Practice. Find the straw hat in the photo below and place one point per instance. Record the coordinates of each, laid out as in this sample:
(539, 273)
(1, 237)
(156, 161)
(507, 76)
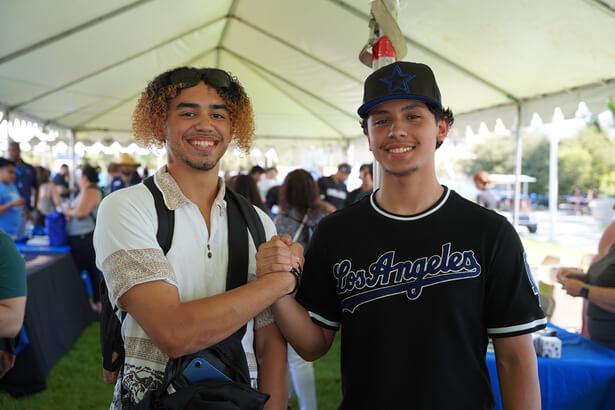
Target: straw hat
(127, 159)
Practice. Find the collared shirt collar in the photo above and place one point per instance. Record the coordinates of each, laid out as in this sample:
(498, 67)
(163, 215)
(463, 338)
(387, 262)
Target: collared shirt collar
(174, 197)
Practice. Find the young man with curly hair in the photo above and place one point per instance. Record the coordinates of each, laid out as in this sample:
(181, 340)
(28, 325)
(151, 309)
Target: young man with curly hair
(415, 277)
(177, 304)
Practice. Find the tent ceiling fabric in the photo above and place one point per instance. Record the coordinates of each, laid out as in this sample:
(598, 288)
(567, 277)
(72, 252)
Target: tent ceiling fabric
(82, 65)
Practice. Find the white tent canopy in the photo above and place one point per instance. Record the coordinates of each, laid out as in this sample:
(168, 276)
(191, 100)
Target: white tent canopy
(81, 64)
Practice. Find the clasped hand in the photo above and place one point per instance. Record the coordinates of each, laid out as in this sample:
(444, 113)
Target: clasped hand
(279, 254)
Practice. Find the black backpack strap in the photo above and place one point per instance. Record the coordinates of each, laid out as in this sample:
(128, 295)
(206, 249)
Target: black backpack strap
(237, 273)
(166, 217)
(250, 216)
(241, 215)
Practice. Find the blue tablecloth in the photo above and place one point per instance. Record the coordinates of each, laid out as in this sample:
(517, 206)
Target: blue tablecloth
(57, 311)
(26, 249)
(584, 378)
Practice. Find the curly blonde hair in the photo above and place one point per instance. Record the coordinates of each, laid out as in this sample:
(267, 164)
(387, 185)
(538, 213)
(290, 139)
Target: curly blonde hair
(150, 114)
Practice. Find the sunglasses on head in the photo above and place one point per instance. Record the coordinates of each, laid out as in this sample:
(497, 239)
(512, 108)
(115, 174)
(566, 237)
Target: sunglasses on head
(189, 77)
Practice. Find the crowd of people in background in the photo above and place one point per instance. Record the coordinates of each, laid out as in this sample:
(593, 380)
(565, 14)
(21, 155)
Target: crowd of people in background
(28, 193)
(262, 187)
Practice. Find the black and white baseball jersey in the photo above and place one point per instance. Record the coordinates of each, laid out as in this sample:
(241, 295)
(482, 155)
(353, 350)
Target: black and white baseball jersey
(416, 298)
(332, 192)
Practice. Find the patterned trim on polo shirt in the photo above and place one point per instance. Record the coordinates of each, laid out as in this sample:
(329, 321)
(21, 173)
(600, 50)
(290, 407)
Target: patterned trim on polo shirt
(173, 196)
(127, 268)
(144, 349)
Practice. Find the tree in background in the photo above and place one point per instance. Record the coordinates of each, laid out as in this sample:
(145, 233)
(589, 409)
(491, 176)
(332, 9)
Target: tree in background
(574, 168)
(536, 162)
(586, 161)
(600, 153)
(495, 156)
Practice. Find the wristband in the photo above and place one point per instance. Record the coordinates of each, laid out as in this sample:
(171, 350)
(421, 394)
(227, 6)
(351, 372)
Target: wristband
(584, 292)
(297, 274)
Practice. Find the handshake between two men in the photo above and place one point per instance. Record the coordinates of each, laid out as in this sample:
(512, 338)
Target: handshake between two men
(282, 256)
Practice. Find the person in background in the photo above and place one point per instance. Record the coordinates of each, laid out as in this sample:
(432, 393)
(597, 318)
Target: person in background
(113, 172)
(485, 197)
(12, 299)
(128, 175)
(597, 287)
(270, 180)
(48, 196)
(367, 183)
(256, 172)
(26, 182)
(62, 181)
(301, 210)
(272, 201)
(333, 188)
(246, 186)
(81, 213)
(11, 203)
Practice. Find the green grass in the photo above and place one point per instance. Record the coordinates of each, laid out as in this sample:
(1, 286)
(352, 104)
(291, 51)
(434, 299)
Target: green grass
(75, 382)
(328, 380)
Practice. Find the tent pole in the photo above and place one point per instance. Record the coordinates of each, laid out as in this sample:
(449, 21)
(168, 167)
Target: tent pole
(518, 157)
(71, 174)
(553, 179)
(379, 61)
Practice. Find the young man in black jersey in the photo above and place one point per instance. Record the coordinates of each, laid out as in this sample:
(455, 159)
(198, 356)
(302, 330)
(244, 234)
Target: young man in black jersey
(416, 276)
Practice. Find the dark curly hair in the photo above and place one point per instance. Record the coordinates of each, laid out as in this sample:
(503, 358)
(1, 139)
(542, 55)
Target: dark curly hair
(150, 114)
(299, 191)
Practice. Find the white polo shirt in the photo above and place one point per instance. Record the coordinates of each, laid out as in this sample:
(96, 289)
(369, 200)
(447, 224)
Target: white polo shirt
(128, 254)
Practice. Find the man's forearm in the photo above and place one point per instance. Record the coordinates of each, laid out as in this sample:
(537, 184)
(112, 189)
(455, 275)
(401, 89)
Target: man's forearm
(518, 375)
(180, 328)
(307, 338)
(270, 349)
(603, 297)
(225, 313)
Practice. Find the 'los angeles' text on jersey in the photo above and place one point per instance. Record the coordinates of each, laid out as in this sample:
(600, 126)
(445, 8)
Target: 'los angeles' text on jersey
(388, 277)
